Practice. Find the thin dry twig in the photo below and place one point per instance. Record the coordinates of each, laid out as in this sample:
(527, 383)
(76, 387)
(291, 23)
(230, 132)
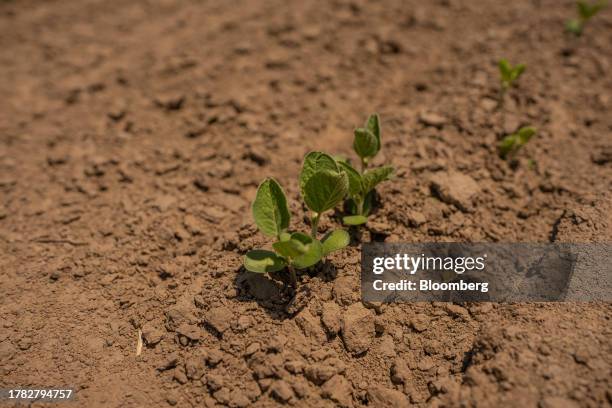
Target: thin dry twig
(58, 241)
(139, 343)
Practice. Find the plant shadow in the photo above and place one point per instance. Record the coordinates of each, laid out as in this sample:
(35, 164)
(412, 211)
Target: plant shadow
(273, 293)
(362, 233)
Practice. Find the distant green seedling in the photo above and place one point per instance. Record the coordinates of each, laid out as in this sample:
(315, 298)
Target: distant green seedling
(362, 183)
(323, 186)
(586, 11)
(509, 74)
(511, 144)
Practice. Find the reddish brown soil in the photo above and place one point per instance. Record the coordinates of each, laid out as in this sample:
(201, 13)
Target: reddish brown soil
(133, 136)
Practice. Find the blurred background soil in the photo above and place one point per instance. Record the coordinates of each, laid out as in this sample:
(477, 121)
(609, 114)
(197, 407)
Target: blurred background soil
(133, 136)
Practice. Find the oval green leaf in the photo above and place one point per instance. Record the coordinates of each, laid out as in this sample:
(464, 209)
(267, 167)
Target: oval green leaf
(507, 145)
(505, 70)
(313, 255)
(574, 26)
(365, 143)
(517, 71)
(302, 238)
(354, 220)
(270, 208)
(354, 179)
(335, 240)
(525, 134)
(262, 261)
(325, 189)
(373, 125)
(290, 249)
(314, 162)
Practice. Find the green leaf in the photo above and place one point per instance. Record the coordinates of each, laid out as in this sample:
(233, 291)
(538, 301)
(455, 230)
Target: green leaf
(525, 134)
(262, 261)
(373, 125)
(507, 145)
(510, 74)
(354, 220)
(504, 69)
(517, 71)
(354, 179)
(289, 249)
(372, 177)
(574, 26)
(340, 158)
(515, 141)
(314, 162)
(335, 240)
(313, 251)
(270, 208)
(584, 10)
(365, 143)
(325, 189)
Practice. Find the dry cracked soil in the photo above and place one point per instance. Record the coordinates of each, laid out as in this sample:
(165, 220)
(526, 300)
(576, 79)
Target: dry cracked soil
(133, 136)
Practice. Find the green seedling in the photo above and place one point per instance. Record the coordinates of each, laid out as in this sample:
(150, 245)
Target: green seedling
(510, 145)
(362, 184)
(586, 11)
(509, 74)
(323, 185)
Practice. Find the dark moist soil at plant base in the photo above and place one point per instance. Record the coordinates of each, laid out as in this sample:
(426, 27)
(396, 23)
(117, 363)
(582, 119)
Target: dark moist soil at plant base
(133, 136)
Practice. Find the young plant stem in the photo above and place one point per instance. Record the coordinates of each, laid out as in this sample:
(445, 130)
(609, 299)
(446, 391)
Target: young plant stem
(292, 276)
(502, 96)
(314, 221)
(360, 207)
(364, 164)
(359, 204)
